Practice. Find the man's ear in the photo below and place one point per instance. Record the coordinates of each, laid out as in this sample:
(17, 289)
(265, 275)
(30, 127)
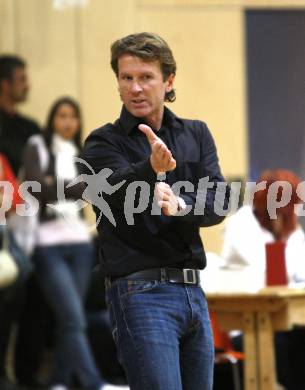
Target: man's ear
(120, 93)
(170, 82)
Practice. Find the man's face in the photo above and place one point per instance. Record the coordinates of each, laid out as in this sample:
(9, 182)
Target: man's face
(141, 86)
(18, 86)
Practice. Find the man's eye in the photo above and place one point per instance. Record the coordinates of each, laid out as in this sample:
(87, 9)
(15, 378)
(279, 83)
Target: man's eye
(147, 77)
(125, 77)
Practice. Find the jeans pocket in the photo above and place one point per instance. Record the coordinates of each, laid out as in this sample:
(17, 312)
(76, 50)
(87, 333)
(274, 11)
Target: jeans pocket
(130, 287)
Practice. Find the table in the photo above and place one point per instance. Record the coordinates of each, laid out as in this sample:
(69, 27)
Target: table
(258, 315)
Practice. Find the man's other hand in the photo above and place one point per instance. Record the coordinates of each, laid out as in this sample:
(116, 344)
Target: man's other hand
(166, 199)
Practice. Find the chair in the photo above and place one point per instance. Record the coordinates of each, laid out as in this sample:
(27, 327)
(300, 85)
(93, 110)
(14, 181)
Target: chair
(225, 353)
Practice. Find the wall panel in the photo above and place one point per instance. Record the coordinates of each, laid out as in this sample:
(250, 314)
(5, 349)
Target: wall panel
(217, 4)
(46, 39)
(101, 24)
(7, 26)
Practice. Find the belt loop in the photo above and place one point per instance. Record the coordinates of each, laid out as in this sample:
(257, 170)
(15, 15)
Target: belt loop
(163, 275)
(107, 282)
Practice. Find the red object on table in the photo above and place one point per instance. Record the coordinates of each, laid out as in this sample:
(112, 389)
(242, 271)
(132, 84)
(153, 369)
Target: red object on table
(276, 272)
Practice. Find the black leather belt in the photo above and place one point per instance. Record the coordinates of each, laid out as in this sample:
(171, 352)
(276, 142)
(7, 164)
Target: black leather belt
(171, 275)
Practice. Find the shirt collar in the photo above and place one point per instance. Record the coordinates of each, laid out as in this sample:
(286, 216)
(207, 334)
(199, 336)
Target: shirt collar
(130, 122)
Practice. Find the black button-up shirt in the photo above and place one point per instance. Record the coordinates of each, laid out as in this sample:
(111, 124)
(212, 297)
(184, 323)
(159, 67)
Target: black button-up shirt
(152, 241)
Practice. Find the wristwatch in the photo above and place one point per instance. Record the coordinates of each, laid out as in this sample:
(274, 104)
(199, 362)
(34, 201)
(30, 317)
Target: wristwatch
(181, 204)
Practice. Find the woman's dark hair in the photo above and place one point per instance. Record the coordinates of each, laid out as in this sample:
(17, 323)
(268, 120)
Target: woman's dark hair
(49, 130)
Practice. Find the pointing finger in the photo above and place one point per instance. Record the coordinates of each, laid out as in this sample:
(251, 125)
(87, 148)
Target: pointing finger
(151, 136)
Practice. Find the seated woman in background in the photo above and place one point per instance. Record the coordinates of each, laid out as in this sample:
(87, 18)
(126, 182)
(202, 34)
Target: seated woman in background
(248, 231)
(63, 255)
(246, 234)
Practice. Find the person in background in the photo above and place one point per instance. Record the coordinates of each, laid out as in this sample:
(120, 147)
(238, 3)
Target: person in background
(15, 130)
(246, 234)
(7, 175)
(248, 231)
(99, 330)
(63, 255)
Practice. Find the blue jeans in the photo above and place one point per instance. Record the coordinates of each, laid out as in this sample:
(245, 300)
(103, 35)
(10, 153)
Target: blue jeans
(63, 272)
(163, 334)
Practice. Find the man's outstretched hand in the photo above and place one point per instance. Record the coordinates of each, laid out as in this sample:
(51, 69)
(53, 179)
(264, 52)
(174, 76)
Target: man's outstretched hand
(161, 158)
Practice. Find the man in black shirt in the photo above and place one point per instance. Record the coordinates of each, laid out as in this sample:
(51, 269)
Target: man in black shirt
(151, 250)
(15, 129)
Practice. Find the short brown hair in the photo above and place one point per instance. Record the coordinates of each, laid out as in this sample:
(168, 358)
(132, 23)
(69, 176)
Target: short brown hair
(149, 47)
(8, 64)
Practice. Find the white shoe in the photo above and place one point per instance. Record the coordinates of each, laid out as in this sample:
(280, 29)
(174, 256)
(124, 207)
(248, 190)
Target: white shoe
(58, 387)
(114, 387)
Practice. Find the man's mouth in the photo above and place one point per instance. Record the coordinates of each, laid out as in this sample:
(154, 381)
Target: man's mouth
(137, 101)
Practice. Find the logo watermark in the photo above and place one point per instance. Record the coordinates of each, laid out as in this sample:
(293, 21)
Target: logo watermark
(110, 195)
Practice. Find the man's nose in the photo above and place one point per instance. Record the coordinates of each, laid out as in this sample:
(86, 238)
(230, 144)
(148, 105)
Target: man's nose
(136, 87)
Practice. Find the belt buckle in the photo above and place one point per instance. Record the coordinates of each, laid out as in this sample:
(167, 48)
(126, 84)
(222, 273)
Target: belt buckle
(189, 272)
